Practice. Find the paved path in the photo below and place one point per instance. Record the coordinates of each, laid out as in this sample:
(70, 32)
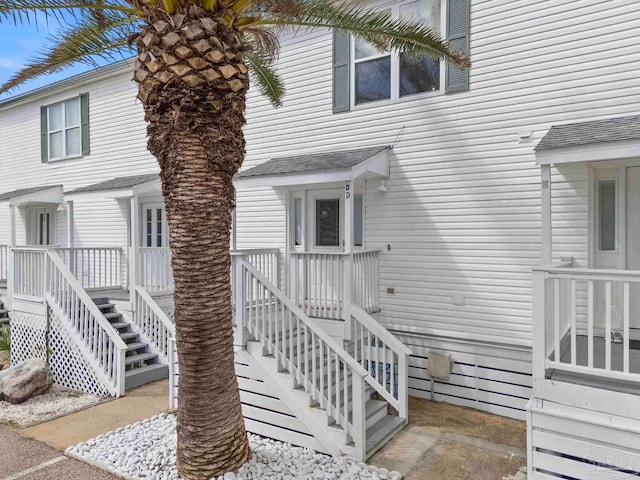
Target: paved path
(136, 405)
(26, 459)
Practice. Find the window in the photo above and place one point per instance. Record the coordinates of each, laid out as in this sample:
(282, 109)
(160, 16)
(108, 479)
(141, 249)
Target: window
(390, 75)
(607, 215)
(297, 222)
(358, 215)
(64, 129)
(328, 222)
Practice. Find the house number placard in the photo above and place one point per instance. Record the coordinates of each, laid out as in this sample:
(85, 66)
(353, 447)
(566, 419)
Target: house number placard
(347, 191)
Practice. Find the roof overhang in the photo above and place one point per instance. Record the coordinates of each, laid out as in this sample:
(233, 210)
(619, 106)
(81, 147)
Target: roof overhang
(44, 196)
(621, 150)
(118, 192)
(376, 166)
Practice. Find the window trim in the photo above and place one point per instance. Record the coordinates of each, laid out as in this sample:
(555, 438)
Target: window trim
(616, 194)
(395, 65)
(64, 129)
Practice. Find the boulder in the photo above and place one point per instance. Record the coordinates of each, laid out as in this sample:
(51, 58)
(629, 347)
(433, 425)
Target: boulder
(25, 380)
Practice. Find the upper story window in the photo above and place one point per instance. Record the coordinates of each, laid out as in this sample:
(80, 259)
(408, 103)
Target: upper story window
(362, 74)
(65, 129)
(390, 75)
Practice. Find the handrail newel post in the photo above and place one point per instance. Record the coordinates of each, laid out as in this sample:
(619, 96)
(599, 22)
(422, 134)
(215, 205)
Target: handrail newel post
(346, 306)
(359, 421)
(240, 307)
(403, 385)
(539, 323)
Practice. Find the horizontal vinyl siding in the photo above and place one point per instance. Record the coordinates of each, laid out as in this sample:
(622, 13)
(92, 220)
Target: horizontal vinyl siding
(463, 211)
(118, 148)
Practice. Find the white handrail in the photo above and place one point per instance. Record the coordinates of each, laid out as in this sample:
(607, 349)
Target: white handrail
(95, 267)
(153, 323)
(386, 359)
(100, 337)
(4, 250)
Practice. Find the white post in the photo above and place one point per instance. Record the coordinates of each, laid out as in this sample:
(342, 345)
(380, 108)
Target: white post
(545, 195)
(70, 225)
(134, 243)
(234, 240)
(403, 385)
(359, 421)
(240, 337)
(11, 256)
(539, 324)
(349, 209)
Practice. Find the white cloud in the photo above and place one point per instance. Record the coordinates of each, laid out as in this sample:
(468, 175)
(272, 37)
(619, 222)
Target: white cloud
(10, 63)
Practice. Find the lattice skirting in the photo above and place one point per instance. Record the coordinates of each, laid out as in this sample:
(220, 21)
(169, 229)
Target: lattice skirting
(67, 364)
(28, 337)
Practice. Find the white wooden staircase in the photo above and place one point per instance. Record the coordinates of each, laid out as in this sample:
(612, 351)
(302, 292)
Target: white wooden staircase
(352, 400)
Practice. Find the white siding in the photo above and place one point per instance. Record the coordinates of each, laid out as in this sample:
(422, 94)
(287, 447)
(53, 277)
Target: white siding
(463, 215)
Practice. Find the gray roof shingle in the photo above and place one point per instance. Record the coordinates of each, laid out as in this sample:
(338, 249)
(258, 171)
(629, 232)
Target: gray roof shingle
(25, 191)
(312, 162)
(588, 133)
(118, 183)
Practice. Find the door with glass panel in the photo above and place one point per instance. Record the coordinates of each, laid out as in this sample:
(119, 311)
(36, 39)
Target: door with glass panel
(42, 227)
(155, 257)
(633, 241)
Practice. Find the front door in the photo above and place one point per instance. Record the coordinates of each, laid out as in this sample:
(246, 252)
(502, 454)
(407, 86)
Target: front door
(42, 226)
(154, 225)
(633, 240)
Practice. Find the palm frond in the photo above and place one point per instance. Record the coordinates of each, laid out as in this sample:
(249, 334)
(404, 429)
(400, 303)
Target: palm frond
(81, 43)
(266, 77)
(377, 27)
(26, 11)
(264, 40)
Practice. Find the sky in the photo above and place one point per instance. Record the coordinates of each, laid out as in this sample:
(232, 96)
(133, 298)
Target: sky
(18, 43)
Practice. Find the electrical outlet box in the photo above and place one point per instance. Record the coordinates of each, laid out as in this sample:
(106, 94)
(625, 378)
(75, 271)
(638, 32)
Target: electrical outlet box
(391, 291)
(458, 299)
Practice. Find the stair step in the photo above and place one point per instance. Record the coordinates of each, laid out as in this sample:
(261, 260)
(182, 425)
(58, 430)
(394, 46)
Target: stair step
(149, 373)
(112, 316)
(382, 431)
(100, 300)
(119, 325)
(128, 336)
(105, 306)
(142, 357)
(136, 346)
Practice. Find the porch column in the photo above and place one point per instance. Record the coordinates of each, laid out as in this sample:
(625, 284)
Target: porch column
(234, 224)
(10, 259)
(545, 195)
(134, 243)
(349, 204)
(70, 225)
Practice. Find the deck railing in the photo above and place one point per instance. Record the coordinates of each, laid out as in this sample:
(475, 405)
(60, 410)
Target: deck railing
(586, 321)
(153, 323)
(4, 262)
(155, 272)
(96, 267)
(333, 379)
(28, 271)
(319, 282)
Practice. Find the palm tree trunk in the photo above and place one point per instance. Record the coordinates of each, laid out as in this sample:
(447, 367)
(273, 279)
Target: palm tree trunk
(193, 83)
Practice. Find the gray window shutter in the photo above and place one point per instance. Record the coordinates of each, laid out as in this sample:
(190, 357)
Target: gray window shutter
(44, 135)
(458, 13)
(341, 71)
(84, 122)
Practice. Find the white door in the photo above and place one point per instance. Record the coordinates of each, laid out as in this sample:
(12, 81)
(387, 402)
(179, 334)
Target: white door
(325, 225)
(155, 258)
(633, 239)
(154, 225)
(42, 230)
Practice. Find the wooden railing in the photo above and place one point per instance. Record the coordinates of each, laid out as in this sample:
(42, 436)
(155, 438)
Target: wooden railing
(266, 260)
(4, 262)
(385, 358)
(101, 345)
(153, 323)
(155, 272)
(323, 283)
(583, 321)
(96, 267)
(333, 379)
(28, 271)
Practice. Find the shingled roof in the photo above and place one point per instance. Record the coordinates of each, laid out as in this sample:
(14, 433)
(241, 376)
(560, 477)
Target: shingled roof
(313, 162)
(118, 183)
(25, 191)
(588, 133)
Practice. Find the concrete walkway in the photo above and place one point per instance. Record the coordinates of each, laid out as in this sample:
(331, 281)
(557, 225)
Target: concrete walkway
(445, 442)
(136, 405)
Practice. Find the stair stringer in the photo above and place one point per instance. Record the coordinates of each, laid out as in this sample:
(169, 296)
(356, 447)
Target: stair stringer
(298, 402)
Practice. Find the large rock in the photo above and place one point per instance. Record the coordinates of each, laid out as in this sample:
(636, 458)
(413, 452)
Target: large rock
(25, 380)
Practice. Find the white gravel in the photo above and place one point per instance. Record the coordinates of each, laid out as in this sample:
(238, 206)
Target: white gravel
(148, 450)
(521, 474)
(56, 402)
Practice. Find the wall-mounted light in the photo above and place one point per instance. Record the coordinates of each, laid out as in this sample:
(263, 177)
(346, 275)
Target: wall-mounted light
(383, 187)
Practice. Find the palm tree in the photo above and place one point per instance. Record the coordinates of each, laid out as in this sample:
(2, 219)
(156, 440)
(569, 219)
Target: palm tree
(194, 58)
